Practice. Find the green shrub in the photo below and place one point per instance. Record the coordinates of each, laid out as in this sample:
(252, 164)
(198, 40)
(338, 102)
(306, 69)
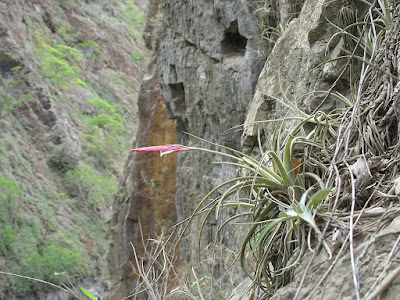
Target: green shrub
(32, 251)
(92, 50)
(58, 63)
(7, 100)
(9, 203)
(8, 188)
(16, 69)
(106, 117)
(80, 82)
(58, 70)
(64, 30)
(55, 260)
(61, 51)
(7, 238)
(114, 78)
(107, 135)
(136, 57)
(96, 188)
(63, 160)
(18, 247)
(132, 16)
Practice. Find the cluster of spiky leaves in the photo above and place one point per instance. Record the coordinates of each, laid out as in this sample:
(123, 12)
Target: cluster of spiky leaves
(278, 196)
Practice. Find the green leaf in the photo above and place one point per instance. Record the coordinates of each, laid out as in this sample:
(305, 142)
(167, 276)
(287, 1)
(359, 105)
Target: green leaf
(306, 215)
(274, 223)
(304, 197)
(288, 150)
(294, 257)
(261, 169)
(87, 293)
(287, 180)
(318, 197)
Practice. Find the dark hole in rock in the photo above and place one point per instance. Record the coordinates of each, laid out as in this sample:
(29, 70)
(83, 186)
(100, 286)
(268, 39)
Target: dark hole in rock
(178, 99)
(6, 64)
(3, 32)
(49, 22)
(233, 42)
(45, 102)
(177, 92)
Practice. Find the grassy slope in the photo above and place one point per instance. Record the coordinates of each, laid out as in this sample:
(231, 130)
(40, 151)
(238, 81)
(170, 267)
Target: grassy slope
(68, 84)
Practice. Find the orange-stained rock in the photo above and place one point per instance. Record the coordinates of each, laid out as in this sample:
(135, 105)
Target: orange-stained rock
(154, 195)
(147, 193)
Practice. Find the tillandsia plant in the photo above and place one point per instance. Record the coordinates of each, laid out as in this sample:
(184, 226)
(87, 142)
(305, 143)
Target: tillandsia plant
(280, 192)
(368, 33)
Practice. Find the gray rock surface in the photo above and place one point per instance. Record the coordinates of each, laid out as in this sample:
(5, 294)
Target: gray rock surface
(372, 254)
(209, 65)
(294, 72)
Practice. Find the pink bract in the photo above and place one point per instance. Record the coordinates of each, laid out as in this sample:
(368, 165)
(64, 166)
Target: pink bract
(163, 149)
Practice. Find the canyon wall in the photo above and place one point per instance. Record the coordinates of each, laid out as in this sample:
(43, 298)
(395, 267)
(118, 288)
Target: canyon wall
(202, 78)
(145, 202)
(210, 57)
(69, 77)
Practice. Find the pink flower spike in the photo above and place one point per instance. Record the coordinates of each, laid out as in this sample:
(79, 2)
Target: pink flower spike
(163, 149)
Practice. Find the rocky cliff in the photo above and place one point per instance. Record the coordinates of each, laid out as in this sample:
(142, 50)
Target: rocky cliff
(145, 204)
(206, 70)
(210, 57)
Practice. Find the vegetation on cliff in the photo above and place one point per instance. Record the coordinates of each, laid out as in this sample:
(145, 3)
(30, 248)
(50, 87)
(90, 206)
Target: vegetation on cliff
(69, 75)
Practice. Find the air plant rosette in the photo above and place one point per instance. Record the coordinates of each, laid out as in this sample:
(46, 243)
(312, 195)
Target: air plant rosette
(281, 198)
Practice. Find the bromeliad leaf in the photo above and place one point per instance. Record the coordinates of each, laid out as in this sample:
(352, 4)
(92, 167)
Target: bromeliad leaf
(306, 215)
(285, 216)
(318, 197)
(87, 293)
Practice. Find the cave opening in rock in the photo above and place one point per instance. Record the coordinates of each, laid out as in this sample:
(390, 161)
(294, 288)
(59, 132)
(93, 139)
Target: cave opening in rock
(233, 42)
(178, 99)
(7, 63)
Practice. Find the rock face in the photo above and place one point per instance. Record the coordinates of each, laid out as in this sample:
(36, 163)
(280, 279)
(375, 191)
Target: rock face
(293, 73)
(209, 65)
(145, 204)
(208, 72)
(212, 77)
